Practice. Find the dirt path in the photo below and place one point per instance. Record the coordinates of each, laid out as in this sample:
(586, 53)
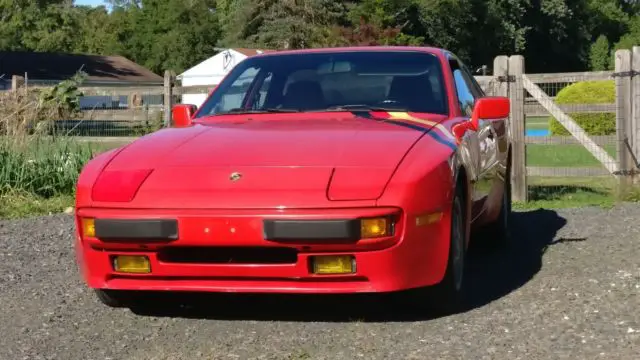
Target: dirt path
(568, 290)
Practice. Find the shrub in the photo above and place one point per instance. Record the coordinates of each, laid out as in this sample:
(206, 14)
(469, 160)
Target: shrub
(587, 92)
(30, 110)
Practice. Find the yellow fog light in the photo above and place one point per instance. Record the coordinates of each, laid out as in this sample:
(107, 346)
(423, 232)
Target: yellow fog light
(132, 264)
(88, 227)
(333, 264)
(374, 227)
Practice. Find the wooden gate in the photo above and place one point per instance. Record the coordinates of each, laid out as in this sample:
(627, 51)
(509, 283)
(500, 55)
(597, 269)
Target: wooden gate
(534, 100)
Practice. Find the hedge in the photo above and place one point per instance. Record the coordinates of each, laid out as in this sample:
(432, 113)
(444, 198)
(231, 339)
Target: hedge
(587, 92)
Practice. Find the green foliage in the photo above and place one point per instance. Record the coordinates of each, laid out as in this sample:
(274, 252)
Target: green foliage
(177, 34)
(34, 110)
(65, 96)
(587, 92)
(599, 54)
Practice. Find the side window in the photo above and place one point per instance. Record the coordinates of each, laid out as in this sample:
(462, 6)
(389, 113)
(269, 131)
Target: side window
(473, 83)
(466, 98)
(235, 95)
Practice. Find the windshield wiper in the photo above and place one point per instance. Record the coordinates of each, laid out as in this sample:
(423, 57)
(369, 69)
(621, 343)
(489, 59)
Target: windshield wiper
(362, 107)
(257, 111)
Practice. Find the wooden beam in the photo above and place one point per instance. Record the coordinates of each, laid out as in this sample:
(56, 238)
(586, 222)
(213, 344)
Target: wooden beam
(517, 129)
(199, 89)
(623, 115)
(169, 78)
(634, 132)
(566, 171)
(570, 77)
(120, 115)
(601, 140)
(569, 124)
(539, 110)
(120, 91)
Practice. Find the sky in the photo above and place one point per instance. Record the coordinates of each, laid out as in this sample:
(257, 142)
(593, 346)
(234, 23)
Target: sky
(89, 2)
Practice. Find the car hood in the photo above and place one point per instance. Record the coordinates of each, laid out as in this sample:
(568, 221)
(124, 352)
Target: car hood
(288, 160)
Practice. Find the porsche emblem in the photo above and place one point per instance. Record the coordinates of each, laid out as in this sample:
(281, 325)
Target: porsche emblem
(235, 176)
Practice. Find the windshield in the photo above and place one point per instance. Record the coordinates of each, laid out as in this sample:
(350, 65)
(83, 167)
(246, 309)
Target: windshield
(336, 81)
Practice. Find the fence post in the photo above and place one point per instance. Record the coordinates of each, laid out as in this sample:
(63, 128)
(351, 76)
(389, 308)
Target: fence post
(517, 130)
(168, 97)
(16, 82)
(635, 101)
(623, 116)
(501, 70)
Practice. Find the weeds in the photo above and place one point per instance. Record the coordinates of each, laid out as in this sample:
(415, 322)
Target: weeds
(38, 169)
(33, 111)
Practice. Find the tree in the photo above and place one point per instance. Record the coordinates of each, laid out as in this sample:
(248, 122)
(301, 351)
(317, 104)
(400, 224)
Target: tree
(599, 54)
(284, 23)
(172, 34)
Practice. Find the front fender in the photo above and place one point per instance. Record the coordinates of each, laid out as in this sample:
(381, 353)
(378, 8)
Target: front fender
(90, 173)
(426, 179)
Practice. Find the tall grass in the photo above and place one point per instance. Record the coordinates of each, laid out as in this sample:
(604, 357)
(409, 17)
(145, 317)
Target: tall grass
(38, 170)
(42, 166)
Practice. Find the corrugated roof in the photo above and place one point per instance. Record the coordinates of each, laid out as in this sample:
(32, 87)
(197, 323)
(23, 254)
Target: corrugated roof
(60, 66)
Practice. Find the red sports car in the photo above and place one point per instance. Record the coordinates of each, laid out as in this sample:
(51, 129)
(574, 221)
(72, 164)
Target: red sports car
(344, 170)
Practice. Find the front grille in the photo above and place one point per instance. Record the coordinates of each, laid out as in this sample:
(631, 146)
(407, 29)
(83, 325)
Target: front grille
(228, 255)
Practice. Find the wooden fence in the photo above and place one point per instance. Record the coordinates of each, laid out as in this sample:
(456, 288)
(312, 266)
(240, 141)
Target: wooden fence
(532, 96)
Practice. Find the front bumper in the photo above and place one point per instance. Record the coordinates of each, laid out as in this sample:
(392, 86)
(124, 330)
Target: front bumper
(228, 251)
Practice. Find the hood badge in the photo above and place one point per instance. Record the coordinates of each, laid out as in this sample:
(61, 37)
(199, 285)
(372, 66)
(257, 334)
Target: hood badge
(235, 176)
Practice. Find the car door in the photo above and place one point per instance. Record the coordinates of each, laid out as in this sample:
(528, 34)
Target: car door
(482, 143)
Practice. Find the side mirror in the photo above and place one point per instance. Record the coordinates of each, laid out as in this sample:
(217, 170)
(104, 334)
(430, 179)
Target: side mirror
(182, 114)
(490, 108)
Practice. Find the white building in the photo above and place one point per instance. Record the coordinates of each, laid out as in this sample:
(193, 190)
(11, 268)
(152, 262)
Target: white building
(212, 71)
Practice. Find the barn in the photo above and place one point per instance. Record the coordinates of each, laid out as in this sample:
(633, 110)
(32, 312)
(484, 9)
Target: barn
(45, 68)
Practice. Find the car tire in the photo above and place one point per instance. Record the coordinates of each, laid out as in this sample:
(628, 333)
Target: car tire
(448, 296)
(116, 298)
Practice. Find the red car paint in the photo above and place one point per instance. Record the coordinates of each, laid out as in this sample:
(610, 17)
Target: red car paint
(309, 165)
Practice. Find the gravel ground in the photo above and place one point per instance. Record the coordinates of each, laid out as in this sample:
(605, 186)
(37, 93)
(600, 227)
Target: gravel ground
(568, 289)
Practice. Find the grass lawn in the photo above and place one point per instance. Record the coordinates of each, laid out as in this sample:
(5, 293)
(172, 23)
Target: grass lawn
(17, 205)
(536, 123)
(564, 155)
(558, 192)
(563, 192)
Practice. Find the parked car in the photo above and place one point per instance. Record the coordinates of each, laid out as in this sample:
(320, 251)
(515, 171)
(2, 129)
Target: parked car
(344, 170)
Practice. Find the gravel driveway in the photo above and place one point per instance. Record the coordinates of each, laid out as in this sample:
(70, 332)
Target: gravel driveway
(569, 289)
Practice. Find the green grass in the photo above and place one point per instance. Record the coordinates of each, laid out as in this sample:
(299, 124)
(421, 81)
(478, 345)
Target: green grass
(563, 192)
(38, 175)
(45, 167)
(569, 155)
(536, 123)
(21, 204)
(559, 192)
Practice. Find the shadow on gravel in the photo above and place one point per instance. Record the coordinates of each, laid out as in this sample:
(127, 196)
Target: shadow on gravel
(492, 274)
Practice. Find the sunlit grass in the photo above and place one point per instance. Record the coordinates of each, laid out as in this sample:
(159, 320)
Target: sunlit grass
(38, 175)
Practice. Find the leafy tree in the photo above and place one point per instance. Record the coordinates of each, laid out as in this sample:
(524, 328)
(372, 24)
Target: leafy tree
(599, 54)
(283, 23)
(171, 34)
(553, 35)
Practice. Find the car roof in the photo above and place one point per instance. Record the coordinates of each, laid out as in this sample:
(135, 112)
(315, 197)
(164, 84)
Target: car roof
(425, 49)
